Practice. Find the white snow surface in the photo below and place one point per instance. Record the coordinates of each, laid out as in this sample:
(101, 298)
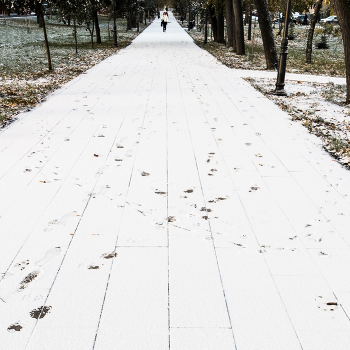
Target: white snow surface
(159, 201)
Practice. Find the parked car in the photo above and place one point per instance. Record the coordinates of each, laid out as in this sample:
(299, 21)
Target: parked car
(302, 20)
(330, 19)
(295, 15)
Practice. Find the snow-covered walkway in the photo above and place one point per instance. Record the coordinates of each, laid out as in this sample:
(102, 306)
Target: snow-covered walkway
(160, 202)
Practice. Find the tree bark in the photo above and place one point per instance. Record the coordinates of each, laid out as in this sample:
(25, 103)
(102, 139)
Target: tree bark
(233, 22)
(206, 27)
(239, 28)
(91, 30)
(267, 34)
(220, 37)
(128, 23)
(46, 41)
(134, 21)
(98, 33)
(250, 26)
(311, 31)
(342, 9)
(214, 24)
(40, 19)
(229, 16)
(75, 35)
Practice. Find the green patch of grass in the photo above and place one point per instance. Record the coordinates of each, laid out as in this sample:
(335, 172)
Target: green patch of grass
(334, 93)
(324, 62)
(337, 144)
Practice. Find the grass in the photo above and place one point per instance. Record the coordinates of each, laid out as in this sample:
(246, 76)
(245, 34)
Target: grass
(324, 62)
(334, 93)
(309, 108)
(24, 77)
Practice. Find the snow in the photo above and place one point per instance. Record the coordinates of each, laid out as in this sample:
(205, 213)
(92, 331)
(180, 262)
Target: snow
(160, 200)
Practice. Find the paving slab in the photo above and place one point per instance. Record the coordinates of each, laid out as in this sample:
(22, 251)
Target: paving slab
(158, 201)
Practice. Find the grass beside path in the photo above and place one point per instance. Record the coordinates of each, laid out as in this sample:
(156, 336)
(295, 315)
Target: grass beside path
(320, 107)
(24, 77)
(330, 62)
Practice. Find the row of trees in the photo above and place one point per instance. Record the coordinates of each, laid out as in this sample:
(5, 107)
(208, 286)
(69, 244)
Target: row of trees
(82, 12)
(232, 11)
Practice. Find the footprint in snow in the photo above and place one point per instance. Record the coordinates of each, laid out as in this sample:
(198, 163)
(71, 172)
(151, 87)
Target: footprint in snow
(28, 279)
(40, 312)
(16, 327)
(206, 209)
(109, 255)
(50, 255)
(323, 254)
(63, 221)
(330, 305)
(160, 192)
(19, 266)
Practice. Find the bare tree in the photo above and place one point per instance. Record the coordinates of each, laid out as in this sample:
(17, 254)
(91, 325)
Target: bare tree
(342, 9)
(229, 16)
(311, 31)
(239, 29)
(267, 34)
(22, 6)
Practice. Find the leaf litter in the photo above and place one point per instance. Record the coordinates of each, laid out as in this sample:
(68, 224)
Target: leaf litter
(24, 78)
(320, 107)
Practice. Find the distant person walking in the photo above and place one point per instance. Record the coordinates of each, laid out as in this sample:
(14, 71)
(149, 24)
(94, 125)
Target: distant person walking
(165, 21)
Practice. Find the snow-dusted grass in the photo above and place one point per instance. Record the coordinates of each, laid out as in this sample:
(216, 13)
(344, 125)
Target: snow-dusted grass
(320, 108)
(324, 62)
(24, 76)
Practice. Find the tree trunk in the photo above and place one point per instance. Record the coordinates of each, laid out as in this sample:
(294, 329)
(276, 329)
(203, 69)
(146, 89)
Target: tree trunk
(246, 18)
(141, 17)
(92, 34)
(250, 26)
(267, 34)
(133, 21)
(40, 19)
(206, 27)
(75, 35)
(68, 19)
(229, 16)
(128, 23)
(220, 37)
(342, 10)
(233, 23)
(214, 24)
(239, 29)
(311, 31)
(98, 33)
(46, 42)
